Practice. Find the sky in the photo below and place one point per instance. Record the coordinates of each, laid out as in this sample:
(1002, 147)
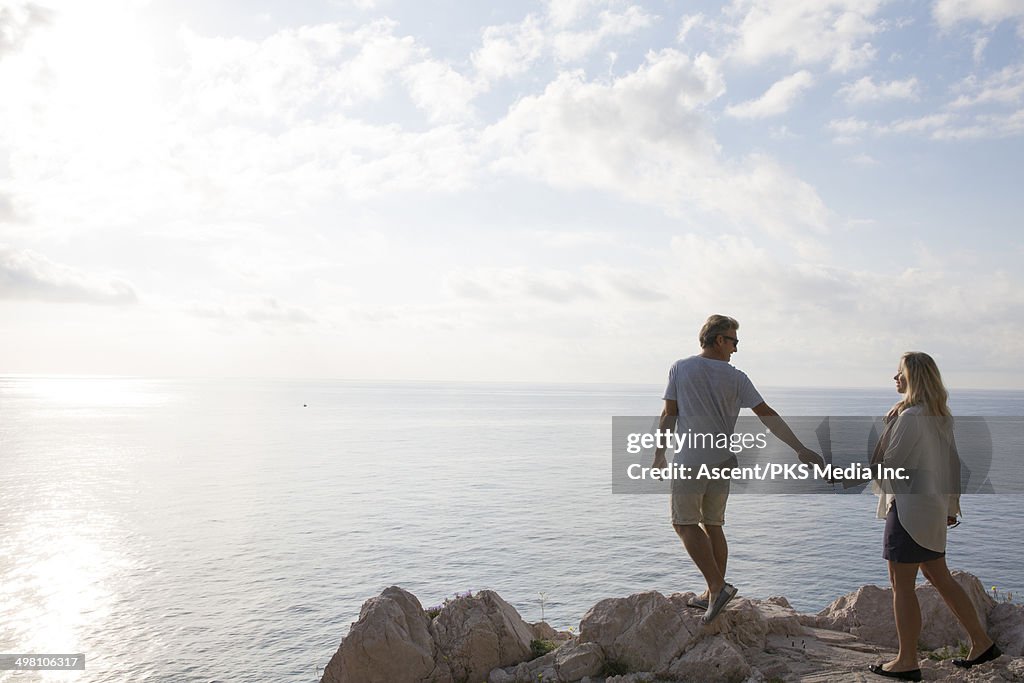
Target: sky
(551, 191)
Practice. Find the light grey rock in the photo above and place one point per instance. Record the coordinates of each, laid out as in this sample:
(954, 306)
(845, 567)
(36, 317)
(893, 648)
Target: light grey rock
(711, 659)
(390, 643)
(939, 627)
(750, 622)
(644, 632)
(574, 661)
(1006, 627)
(476, 634)
(500, 676)
(543, 631)
(867, 614)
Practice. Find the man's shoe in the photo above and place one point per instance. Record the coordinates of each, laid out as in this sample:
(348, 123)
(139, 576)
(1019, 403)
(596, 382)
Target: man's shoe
(986, 656)
(727, 593)
(697, 602)
(908, 675)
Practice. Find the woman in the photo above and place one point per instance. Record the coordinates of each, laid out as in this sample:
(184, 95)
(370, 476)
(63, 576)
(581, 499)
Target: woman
(917, 510)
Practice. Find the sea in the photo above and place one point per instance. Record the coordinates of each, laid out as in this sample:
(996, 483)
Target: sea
(230, 530)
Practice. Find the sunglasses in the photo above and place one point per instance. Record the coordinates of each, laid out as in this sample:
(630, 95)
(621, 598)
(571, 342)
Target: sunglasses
(734, 340)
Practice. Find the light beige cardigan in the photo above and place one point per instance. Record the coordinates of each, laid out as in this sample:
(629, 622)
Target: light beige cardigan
(924, 445)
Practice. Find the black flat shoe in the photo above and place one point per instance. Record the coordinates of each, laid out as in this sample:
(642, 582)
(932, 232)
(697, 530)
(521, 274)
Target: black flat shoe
(986, 656)
(908, 675)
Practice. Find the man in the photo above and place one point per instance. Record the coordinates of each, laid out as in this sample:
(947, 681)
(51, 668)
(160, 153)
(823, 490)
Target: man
(705, 394)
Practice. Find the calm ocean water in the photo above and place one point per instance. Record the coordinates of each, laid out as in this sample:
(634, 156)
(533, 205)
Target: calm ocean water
(221, 531)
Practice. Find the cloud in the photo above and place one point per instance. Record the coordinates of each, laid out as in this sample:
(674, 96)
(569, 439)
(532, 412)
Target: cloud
(575, 45)
(688, 23)
(17, 23)
(1006, 87)
(940, 126)
(950, 12)
(280, 77)
(776, 100)
(509, 50)
(550, 286)
(644, 136)
(440, 91)
(865, 90)
(562, 13)
(835, 32)
(7, 214)
(271, 311)
(267, 311)
(27, 275)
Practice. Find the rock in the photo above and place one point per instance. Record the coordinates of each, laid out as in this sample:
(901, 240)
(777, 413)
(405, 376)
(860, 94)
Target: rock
(648, 637)
(390, 643)
(1006, 627)
(712, 659)
(867, 614)
(939, 627)
(570, 662)
(574, 661)
(543, 631)
(750, 622)
(475, 634)
(644, 632)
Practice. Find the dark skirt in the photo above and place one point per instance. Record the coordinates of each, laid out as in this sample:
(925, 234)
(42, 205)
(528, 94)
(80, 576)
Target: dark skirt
(899, 546)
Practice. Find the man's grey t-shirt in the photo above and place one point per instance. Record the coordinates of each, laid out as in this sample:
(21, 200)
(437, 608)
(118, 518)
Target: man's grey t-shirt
(710, 394)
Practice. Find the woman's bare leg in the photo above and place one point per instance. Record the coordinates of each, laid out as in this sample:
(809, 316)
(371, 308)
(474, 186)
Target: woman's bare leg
(956, 598)
(903, 577)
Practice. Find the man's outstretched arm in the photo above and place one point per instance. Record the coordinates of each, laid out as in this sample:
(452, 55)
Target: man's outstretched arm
(773, 421)
(667, 422)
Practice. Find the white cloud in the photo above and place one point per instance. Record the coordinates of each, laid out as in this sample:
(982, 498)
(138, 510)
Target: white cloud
(293, 69)
(440, 91)
(1006, 87)
(509, 50)
(562, 13)
(865, 90)
(18, 21)
(644, 136)
(27, 275)
(778, 99)
(687, 24)
(941, 126)
(575, 45)
(835, 32)
(569, 32)
(864, 160)
(950, 12)
(848, 130)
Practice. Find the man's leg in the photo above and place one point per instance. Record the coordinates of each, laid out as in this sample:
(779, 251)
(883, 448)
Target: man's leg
(700, 549)
(719, 547)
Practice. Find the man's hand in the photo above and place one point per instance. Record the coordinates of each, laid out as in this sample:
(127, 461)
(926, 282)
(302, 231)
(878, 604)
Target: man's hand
(809, 457)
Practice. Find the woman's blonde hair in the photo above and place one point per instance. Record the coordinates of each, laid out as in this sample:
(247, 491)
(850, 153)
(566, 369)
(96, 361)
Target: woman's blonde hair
(924, 384)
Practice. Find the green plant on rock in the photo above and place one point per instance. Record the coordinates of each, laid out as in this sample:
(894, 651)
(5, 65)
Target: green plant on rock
(614, 667)
(539, 648)
(961, 651)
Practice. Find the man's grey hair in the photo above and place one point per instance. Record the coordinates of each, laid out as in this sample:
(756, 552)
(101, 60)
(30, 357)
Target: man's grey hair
(714, 326)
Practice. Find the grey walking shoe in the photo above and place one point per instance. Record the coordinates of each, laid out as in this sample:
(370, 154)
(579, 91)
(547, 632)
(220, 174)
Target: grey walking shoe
(727, 593)
(697, 602)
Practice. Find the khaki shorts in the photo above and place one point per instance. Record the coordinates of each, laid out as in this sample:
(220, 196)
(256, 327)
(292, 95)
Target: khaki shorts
(700, 501)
